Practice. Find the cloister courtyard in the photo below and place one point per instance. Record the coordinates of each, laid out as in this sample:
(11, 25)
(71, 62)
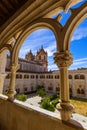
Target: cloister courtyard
(79, 113)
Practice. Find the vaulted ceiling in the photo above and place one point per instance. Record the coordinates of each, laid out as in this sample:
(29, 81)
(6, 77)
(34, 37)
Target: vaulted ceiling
(9, 7)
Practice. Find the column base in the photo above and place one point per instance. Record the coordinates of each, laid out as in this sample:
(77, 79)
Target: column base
(66, 110)
(11, 95)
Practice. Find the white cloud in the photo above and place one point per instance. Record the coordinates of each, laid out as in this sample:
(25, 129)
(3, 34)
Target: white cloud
(82, 59)
(52, 67)
(79, 63)
(51, 49)
(79, 34)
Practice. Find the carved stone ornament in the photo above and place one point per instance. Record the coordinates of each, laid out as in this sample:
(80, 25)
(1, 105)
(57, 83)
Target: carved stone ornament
(63, 59)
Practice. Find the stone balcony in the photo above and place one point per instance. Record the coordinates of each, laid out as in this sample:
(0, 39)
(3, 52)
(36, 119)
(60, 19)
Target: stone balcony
(22, 116)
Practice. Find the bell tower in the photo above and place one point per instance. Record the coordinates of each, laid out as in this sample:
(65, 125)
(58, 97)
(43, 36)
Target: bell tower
(29, 56)
(41, 57)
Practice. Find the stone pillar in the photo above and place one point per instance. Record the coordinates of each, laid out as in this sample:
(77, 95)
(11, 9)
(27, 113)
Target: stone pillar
(63, 61)
(11, 91)
(2, 77)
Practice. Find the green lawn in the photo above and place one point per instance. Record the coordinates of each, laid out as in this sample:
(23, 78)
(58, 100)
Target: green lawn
(80, 106)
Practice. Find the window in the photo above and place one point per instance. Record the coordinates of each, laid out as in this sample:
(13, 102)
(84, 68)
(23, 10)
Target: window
(50, 88)
(70, 76)
(25, 89)
(39, 57)
(57, 89)
(27, 76)
(76, 77)
(36, 76)
(82, 91)
(56, 76)
(18, 90)
(78, 91)
(82, 77)
(24, 76)
(32, 76)
(20, 76)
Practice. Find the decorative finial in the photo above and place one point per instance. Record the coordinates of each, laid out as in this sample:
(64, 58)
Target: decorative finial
(30, 51)
(41, 46)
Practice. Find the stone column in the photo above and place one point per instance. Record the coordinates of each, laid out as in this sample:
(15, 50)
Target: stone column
(2, 78)
(63, 61)
(11, 91)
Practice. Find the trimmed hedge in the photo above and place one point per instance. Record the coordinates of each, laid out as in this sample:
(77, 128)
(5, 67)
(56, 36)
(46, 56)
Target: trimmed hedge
(47, 105)
(22, 97)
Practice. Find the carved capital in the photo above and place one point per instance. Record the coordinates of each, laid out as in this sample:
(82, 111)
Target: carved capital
(63, 59)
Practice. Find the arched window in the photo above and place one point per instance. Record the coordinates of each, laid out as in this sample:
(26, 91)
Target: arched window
(56, 76)
(47, 76)
(82, 91)
(78, 91)
(57, 89)
(25, 76)
(82, 77)
(39, 57)
(20, 76)
(76, 77)
(36, 76)
(70, 76)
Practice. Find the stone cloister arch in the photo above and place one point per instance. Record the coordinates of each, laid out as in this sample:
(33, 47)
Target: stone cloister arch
(62, 57)
(51, 24)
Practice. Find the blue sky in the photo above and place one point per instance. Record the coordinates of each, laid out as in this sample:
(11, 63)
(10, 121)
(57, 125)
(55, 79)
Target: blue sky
(46, 38)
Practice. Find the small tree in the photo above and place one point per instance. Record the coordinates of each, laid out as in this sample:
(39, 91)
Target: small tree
(41, 91)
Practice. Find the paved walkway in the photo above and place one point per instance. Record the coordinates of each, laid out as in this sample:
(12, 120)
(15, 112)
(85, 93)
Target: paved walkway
(34, 100)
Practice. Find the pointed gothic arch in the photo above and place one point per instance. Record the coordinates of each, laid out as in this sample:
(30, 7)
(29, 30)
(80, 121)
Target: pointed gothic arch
(77, 16)
(51, 24)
